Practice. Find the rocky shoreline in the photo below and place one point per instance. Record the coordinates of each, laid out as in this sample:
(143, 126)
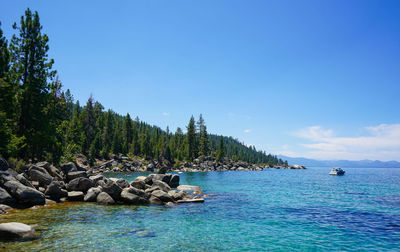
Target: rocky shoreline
(121, 163)
(42, 183)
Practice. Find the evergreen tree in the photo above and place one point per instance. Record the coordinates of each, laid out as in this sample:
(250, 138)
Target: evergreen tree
(127, 132)
(31, 69)
(191, 140)
(204, 142)
(221, 150)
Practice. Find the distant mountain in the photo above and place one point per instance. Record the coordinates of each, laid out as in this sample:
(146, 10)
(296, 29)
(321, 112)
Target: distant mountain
(342, 163)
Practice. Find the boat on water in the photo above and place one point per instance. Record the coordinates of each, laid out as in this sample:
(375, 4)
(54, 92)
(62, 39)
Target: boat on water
(336, 171)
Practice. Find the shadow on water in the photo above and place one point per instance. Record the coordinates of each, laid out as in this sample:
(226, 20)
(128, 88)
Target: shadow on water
(355, 220)
(389, 201)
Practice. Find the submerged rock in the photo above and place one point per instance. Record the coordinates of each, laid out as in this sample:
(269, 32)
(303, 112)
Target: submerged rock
(190, 188)
(16, 230)
(199, 200)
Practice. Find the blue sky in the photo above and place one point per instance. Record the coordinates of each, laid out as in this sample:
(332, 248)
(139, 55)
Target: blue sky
(318, 79)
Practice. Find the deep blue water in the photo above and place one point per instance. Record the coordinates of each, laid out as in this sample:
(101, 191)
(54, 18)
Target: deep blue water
(279, 210)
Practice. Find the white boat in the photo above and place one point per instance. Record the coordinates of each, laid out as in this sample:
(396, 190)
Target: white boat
(336, 171)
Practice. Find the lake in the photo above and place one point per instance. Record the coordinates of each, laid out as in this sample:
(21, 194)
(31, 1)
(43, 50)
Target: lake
(278, 210)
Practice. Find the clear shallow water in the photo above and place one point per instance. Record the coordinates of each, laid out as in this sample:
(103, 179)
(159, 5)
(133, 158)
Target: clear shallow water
(279, 210)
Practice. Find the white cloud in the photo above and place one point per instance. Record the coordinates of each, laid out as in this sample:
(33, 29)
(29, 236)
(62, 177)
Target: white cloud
(165, 113)
(247, 131)
(381, 142)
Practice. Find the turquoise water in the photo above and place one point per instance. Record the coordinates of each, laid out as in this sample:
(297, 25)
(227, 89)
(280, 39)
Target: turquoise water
(279, 210)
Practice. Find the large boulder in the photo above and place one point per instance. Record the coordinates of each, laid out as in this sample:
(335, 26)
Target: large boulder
(139, 184)
(76, 174)
(163, 196)
(152, 189)
(5, 197)
(68, 167)
(105, 199)
(123, 183)
(155, 201)
(131, 196)
(55, 191)
(40, 174)
(25, 195)
(112, 189)
(174, 182)
(16, 230)
(53, 171)
(75, 196)
(3, 164)
(162, 185)
(92, 194)
(96, 178)
(21, 178)
(176, 195)
(161, 177)
(80, 184)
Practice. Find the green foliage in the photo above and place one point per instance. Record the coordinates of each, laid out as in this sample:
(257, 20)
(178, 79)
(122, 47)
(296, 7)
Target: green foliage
(221, 150)
(16, 164)
(38, 120)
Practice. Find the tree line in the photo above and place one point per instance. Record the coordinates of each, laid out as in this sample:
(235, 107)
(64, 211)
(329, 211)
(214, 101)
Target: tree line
(38, 120)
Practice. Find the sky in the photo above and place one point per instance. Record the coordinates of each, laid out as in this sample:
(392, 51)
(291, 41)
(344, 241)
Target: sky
(316, 79)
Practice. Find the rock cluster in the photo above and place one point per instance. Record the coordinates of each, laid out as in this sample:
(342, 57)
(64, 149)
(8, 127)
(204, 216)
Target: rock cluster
(42, 182)
(123, 163)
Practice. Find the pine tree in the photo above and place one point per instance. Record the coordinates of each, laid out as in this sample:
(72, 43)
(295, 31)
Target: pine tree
(221, 150)
(31, 69)
(204, 142)
(191, 140)
(127, 133)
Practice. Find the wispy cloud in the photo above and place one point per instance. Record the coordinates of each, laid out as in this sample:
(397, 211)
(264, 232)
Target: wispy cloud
(165, 113)
(380, 142)
(247, 131)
